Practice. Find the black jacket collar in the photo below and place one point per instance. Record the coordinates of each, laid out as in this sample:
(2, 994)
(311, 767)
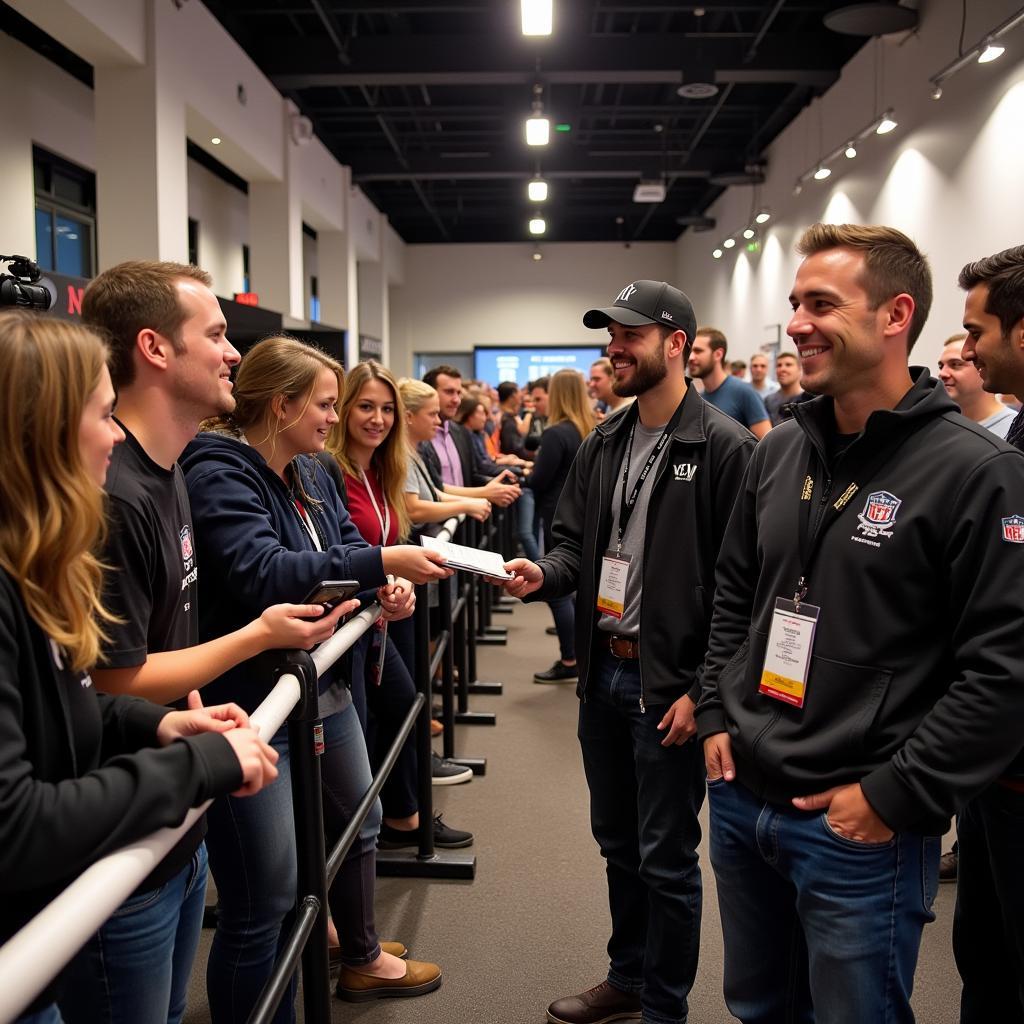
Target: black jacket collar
(690, 427)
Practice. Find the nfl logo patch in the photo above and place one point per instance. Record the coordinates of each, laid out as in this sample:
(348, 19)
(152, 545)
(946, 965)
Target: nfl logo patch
(1013, 529)
(881, 507)
(186, 543)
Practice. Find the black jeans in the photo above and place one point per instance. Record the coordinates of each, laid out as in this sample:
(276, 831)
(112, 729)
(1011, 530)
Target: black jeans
(644, 800)
(988, 926)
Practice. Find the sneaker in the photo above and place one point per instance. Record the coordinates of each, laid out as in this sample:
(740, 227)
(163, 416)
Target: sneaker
(447, 773)
(419, 979)
(947, 866)
(558, 673)
(445, 837)
(598, 1005)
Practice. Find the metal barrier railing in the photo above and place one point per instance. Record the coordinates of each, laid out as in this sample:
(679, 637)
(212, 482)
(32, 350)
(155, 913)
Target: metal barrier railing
(31, 959)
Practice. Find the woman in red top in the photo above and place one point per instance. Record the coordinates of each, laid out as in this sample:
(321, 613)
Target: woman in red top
(369, 446)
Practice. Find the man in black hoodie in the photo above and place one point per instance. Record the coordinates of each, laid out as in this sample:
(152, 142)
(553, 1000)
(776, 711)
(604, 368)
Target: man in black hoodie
(862, 678)
(988, 927)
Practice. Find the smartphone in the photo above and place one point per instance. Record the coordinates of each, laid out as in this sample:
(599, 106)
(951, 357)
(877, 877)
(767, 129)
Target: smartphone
(332, 592)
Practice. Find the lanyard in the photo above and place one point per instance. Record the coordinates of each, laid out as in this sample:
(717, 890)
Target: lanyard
(307, 522)
(626, 505)
(864, 469)
(385, 519)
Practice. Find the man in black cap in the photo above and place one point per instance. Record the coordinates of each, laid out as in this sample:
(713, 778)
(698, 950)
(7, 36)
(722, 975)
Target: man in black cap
(636, 532)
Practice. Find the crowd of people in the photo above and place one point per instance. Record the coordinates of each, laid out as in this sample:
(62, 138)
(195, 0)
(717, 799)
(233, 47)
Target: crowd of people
(830, 648)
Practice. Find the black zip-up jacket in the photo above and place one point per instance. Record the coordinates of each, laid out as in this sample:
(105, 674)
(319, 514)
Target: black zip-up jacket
(916, 685)
(686, 519)
(60, 810)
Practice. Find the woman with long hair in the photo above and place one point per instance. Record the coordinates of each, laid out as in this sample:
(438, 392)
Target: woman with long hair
(425, 501)
(570, 419)
(369, 445)
(270, 526)
(81, 773)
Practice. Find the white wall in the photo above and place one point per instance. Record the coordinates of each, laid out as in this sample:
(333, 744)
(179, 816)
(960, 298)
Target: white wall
(223, 215)
(949, 176)
(458, 296)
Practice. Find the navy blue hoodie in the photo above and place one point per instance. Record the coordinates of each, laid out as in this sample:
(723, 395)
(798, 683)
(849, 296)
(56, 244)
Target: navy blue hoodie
(255, 551)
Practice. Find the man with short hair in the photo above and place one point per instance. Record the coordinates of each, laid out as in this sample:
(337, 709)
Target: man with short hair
(170, 362)
(861, 677)
(738, 368)
(602, 387)
(988, 925)
(733, 396)
(964, 385)
(787, 370)
(452, 455)
(636, 532)
(759, 379)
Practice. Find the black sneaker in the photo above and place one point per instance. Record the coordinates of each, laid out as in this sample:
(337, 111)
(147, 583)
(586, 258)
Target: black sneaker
(558, 673)
(447, 773)
(445, 838)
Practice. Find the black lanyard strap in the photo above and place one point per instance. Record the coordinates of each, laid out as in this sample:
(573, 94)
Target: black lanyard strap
(863, 469)
(626, 505)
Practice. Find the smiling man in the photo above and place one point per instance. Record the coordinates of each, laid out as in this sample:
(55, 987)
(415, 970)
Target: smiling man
(964, 385)
(636, 532)
(988, 927)
(861, 678)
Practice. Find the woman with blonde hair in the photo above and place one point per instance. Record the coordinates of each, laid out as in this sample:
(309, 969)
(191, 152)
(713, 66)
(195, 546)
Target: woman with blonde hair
(570, 419)
(81, 773)
(270, 527)
(369, 446)
(425, 500)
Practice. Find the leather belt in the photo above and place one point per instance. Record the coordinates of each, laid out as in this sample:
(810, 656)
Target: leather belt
(624, 646)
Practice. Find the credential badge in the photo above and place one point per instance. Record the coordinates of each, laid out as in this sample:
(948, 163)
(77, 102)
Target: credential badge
(1013, 529)
(879, 514)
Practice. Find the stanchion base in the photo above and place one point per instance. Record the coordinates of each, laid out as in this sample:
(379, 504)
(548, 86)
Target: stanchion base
(490, 640)
(486, 687)
(409, 864)
(501, 631)
(475, 718)
(501, 609)
(478, 764)
(505, 599)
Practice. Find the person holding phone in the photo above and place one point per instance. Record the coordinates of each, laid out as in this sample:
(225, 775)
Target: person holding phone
(368, 446)
(81, 773)
(270, 525)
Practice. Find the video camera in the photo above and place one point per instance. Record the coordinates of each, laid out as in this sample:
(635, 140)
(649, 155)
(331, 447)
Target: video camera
(19, 287)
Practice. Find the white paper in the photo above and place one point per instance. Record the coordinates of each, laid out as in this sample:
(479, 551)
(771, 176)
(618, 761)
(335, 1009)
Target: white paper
(458, 556)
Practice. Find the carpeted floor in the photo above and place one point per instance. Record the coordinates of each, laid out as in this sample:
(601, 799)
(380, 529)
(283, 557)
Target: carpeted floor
(533, 924)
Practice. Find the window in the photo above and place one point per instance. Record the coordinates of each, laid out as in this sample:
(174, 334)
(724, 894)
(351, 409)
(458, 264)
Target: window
(314, 301)
(65, 215)
(193, 241)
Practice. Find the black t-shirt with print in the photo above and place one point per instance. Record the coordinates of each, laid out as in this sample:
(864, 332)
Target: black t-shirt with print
(151, 584)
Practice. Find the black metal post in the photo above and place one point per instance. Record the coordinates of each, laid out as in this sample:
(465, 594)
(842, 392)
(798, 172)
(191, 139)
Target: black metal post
(305, 743)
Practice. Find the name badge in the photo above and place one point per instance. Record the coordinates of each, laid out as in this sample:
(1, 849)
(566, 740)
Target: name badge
(787, 659)
(611, 588)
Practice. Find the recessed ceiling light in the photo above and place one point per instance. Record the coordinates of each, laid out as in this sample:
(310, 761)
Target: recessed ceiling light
(537, 226)
(822, 173)
(215, 140)
(729, 243)
(538, 131)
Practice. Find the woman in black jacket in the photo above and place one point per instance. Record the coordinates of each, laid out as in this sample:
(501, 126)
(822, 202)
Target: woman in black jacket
(570, 419)
(81, 773)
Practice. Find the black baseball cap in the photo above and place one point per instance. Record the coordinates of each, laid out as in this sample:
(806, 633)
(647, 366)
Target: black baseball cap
(646, 302)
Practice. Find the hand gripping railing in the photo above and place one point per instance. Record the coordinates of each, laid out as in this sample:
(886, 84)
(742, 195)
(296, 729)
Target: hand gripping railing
(30, 959)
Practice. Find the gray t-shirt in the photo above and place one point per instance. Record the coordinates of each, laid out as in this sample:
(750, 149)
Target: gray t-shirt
(999, 422)
(644, 440)
(417, 479)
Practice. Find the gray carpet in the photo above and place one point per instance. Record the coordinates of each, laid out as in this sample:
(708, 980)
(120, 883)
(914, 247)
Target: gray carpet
(533, 924)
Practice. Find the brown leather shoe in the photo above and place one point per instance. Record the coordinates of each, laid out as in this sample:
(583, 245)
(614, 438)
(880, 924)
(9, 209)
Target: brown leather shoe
(597, 1005)
(394, 948)
(419, 979)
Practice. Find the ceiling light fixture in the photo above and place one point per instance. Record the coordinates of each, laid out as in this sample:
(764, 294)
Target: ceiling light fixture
(537, 17)
(537, 190)
(537, 255)
(538, 127)
(887, 124)
(822, 172)
(215, 140)
(763, 217)
(985, 51)
(729, 243)
(717, 254)
(538, 226)
(850, 151)
(993, 51)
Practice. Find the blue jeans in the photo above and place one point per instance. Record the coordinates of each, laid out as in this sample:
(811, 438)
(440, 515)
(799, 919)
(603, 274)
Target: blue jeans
(644, 800)
(526, 524)
(988, 926)
(48, 1015)
(817, 927)
(563, 611)
(135, 970)
(252, 855)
